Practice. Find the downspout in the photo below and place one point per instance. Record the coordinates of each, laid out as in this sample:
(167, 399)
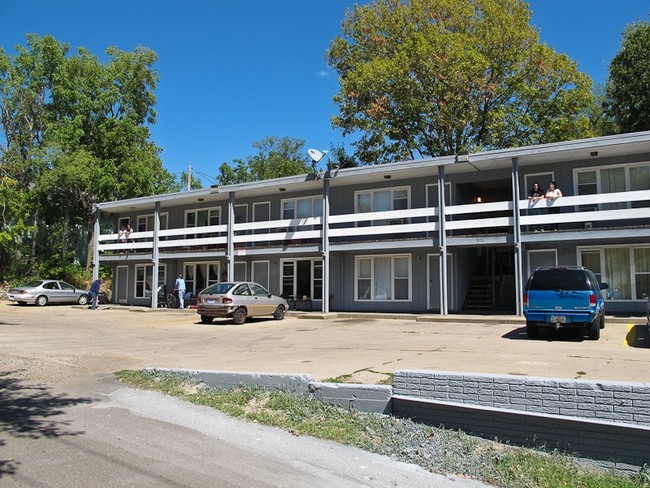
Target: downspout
(519, 283)
(326, 244)
(442, 241)
(155, 256)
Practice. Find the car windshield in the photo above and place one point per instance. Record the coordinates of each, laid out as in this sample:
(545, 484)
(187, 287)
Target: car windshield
(218, 289)
(559, 279)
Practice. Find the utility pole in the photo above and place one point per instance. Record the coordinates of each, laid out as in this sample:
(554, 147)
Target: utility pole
(189, 177)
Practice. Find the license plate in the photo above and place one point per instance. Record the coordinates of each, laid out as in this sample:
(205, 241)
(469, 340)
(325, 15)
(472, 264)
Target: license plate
(558, 319)
(210, 300)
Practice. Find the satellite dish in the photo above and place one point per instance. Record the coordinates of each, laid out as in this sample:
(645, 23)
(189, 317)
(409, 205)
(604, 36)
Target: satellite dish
(315, 154)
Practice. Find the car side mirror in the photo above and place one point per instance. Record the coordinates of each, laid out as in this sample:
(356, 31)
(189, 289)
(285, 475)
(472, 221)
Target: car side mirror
(604, 286)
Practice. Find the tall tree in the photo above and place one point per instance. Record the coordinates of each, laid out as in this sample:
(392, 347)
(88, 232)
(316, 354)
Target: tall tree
(435, 77)
(76, 132)
(275, 157)
(628, 86)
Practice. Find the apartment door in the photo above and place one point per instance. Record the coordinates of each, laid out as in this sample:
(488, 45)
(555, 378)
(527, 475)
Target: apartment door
(260, 273)
(433, 278)
(120, 286)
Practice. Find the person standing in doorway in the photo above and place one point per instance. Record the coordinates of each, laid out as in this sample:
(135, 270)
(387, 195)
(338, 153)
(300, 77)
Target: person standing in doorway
(94, 292)
(180, 286)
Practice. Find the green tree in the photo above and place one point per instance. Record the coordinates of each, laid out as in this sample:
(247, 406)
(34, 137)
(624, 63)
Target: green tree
(275, 157)
(436, 77)
(600, 122)
(628, 86)
(76, 132)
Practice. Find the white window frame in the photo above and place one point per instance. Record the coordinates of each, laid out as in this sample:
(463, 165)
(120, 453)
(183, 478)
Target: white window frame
(164, 221)
(392, 257)
(539, 251)
(448, 195)
(195, 211)
(148, 272)
(372, 193)
(603, 268)
(313, 202)
(597, 170)
(206, 273)
(314, 262)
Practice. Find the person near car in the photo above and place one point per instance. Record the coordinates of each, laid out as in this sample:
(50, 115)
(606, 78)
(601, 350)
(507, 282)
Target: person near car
(534, 195)
(553, 194)
(94, 292)
(180, 287)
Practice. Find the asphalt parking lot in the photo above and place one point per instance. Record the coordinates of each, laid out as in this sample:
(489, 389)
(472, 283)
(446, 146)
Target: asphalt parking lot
(73, 340)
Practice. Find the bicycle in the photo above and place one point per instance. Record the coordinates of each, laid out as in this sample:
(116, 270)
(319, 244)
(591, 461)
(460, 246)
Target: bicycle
(172, 300)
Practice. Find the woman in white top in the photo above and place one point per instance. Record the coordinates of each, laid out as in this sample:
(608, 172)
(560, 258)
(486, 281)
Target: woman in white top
(553, 194)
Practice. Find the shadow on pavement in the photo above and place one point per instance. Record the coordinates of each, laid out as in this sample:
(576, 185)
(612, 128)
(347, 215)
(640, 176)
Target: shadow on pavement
(30, 411)
(638, 336)
(547, 334)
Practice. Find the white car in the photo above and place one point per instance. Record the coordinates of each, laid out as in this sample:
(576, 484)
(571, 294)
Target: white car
(239, 300)
(42, 292)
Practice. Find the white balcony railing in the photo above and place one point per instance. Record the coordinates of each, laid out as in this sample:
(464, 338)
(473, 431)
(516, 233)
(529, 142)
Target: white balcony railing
(491, 217)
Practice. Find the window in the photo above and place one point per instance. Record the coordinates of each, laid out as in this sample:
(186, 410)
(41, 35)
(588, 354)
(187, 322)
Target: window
(200, 275)
(383, 278)
(380, 201)
(201, 218)
(302, 278)
(626, 270)
(145, 222)
(143, 279)
(301, 208)
(613, 179)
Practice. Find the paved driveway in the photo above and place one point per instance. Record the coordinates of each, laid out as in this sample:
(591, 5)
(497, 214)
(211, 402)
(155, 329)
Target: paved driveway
(72, 340)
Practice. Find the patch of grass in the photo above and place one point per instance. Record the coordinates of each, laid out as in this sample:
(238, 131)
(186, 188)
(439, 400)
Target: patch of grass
(438, 450)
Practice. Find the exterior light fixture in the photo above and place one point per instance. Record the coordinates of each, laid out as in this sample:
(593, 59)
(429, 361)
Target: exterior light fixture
(387, 177)
(593, 154)
(282, 189)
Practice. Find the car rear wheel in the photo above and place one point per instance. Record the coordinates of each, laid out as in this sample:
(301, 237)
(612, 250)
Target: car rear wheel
(532, 330)
(279, 313)
(239, 316)
(41, 301)
(205, 319)
(593, 331)
(83, 299)
(602, 321)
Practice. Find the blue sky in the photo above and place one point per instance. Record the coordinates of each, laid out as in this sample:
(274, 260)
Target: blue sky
(233, 71)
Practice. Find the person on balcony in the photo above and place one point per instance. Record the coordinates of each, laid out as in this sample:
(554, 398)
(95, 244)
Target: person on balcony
(535, 195)
(552, 195)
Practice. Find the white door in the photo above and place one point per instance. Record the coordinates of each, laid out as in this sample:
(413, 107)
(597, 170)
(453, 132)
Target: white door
(260, 273)
(121, 280)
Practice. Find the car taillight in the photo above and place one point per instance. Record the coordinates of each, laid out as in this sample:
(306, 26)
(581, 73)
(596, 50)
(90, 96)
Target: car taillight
(226, 300)
(525, 299)
(592, 299)
(22, 292)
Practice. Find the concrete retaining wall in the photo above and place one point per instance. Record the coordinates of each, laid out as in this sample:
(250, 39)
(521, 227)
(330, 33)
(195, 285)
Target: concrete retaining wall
(598, 400)
(606, 423)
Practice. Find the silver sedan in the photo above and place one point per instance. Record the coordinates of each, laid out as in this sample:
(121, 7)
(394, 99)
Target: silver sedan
(239, 300)
(42, 292)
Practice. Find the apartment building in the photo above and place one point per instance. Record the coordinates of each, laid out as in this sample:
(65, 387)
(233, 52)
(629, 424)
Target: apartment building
(453, 234)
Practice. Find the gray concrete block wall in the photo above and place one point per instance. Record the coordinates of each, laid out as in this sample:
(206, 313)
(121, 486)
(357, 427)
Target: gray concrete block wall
(229, 380)
(361, 398)
(598, 400)
(606, 444)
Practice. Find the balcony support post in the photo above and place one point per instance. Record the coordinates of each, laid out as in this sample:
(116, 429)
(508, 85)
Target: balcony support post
(155, 256)
(95, 256)
(326, 244)
(442, 242)
(230, 246)
(518, 256)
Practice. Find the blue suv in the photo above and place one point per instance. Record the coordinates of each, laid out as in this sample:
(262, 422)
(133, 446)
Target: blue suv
(564, 297)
